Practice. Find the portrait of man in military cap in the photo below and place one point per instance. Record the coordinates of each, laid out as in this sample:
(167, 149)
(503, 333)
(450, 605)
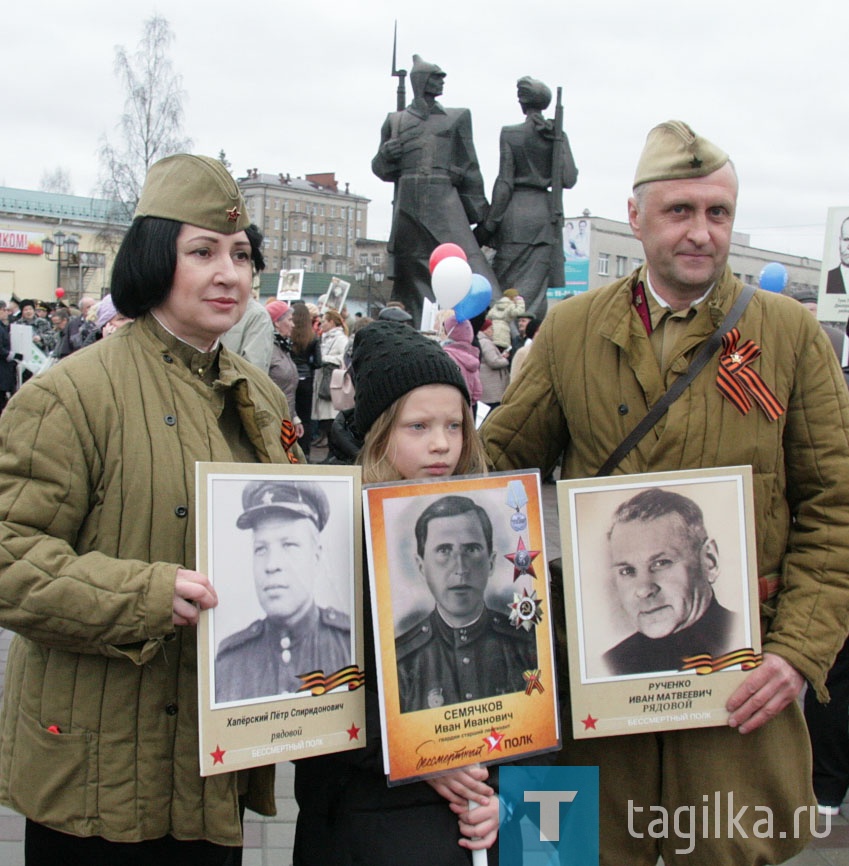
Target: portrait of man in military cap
(296, 636)
(463, 649)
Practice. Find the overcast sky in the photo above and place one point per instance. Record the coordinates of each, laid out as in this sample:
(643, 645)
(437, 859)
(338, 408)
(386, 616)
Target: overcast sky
(304, 87)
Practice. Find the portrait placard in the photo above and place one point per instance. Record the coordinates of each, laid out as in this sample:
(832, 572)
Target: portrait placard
(661, 593)
(833, 294)
(280, 659)
(290, 285)
(462, 617)
(335, 296)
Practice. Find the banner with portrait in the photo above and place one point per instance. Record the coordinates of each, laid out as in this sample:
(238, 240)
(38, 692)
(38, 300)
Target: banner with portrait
(462, 618)
(290, 285)
(280, 659)
(661, 594)
(335, 296)
(833, 294)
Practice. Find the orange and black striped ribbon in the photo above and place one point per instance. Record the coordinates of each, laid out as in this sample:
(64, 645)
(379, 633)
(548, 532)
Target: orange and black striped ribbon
(288, 437)
(738, 382)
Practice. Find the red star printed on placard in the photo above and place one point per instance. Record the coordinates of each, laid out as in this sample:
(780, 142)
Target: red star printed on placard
(522, 560)
(353, 732)
(218, 755)
(493, 740)
(589, 723)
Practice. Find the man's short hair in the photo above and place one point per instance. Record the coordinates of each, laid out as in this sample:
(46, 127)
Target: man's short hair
(656, 503)
(451, 506)
(60, 313)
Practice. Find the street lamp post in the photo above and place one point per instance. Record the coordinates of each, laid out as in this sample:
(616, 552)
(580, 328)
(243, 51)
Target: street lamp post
(370, 274)
(60, 241)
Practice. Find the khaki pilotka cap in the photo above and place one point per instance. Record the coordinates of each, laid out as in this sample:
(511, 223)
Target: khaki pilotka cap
(674, 152)
(196, 190)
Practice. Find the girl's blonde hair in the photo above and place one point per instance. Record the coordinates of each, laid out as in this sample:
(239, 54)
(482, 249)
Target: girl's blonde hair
(374, 456)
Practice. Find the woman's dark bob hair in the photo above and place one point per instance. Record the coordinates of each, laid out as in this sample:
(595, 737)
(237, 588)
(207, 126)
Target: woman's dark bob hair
(144, 267)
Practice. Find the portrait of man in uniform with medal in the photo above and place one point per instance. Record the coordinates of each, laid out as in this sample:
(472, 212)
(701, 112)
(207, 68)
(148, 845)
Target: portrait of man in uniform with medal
(462, 650)
(296, 636)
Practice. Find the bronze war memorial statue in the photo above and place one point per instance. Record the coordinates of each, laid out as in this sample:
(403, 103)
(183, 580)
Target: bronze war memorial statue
(525, 222)
(427, 151)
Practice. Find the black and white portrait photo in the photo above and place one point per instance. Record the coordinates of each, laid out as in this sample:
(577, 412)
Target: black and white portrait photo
(662, 577)
(283, 566)
(452, 587)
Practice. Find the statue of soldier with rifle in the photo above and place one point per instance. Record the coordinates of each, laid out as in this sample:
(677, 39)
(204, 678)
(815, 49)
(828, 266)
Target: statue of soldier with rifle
(428, 152)
(525, 222)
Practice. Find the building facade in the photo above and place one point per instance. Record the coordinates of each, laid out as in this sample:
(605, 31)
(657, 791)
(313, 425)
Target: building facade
(28, 269)
(307, 223)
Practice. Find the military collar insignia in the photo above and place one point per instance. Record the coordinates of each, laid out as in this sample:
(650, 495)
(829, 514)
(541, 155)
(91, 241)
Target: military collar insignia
(641, 305)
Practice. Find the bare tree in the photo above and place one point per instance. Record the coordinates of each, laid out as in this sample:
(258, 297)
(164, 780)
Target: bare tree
(151, 125)
(58, 180)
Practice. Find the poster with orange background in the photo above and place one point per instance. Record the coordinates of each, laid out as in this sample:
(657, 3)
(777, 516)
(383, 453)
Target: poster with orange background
(460, 600)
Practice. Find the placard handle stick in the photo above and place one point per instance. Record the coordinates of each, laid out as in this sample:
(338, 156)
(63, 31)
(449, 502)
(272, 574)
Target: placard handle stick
(479, 858)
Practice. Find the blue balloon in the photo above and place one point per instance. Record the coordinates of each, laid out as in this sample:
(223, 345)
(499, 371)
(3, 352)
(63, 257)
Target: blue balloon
(476, 300)
(773, 277)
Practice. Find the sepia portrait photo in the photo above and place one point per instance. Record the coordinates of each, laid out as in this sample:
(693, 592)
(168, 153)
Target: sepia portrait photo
(662, 575)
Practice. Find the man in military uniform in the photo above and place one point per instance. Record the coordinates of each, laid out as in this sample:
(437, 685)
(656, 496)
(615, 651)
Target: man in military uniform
(463, 650)
(297, 636)
(428, 152)
(597, 364)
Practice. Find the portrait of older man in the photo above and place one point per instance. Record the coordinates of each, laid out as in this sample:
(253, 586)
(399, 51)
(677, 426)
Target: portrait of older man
(838, 278)
(664, 566)
(296, 636)
(463, 650)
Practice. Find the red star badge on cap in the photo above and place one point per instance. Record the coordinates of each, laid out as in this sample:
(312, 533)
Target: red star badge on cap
(353, 732)
(218, 755)
(233, 214)
(589, 723)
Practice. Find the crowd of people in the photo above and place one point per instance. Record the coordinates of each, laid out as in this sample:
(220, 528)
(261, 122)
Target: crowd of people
(98, 735)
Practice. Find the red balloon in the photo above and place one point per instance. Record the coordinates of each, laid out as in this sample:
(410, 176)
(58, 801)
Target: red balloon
(443, 251)
(60, 292)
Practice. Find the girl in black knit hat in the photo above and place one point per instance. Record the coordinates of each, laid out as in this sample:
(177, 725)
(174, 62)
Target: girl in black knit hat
(412, 413)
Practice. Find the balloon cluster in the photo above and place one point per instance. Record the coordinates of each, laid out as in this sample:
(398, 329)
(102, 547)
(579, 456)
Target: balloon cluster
(455, 286)
(773, 277)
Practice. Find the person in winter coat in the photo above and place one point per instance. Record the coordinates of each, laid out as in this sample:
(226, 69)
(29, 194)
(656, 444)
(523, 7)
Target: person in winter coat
(495, 367)
(99, 726)
(306, 353)
(283, 370)
(8, 365)
(503, 314)
(458, 345)
(334, 341)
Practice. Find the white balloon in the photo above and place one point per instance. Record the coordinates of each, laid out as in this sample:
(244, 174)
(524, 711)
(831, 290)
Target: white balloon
(451, 281)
